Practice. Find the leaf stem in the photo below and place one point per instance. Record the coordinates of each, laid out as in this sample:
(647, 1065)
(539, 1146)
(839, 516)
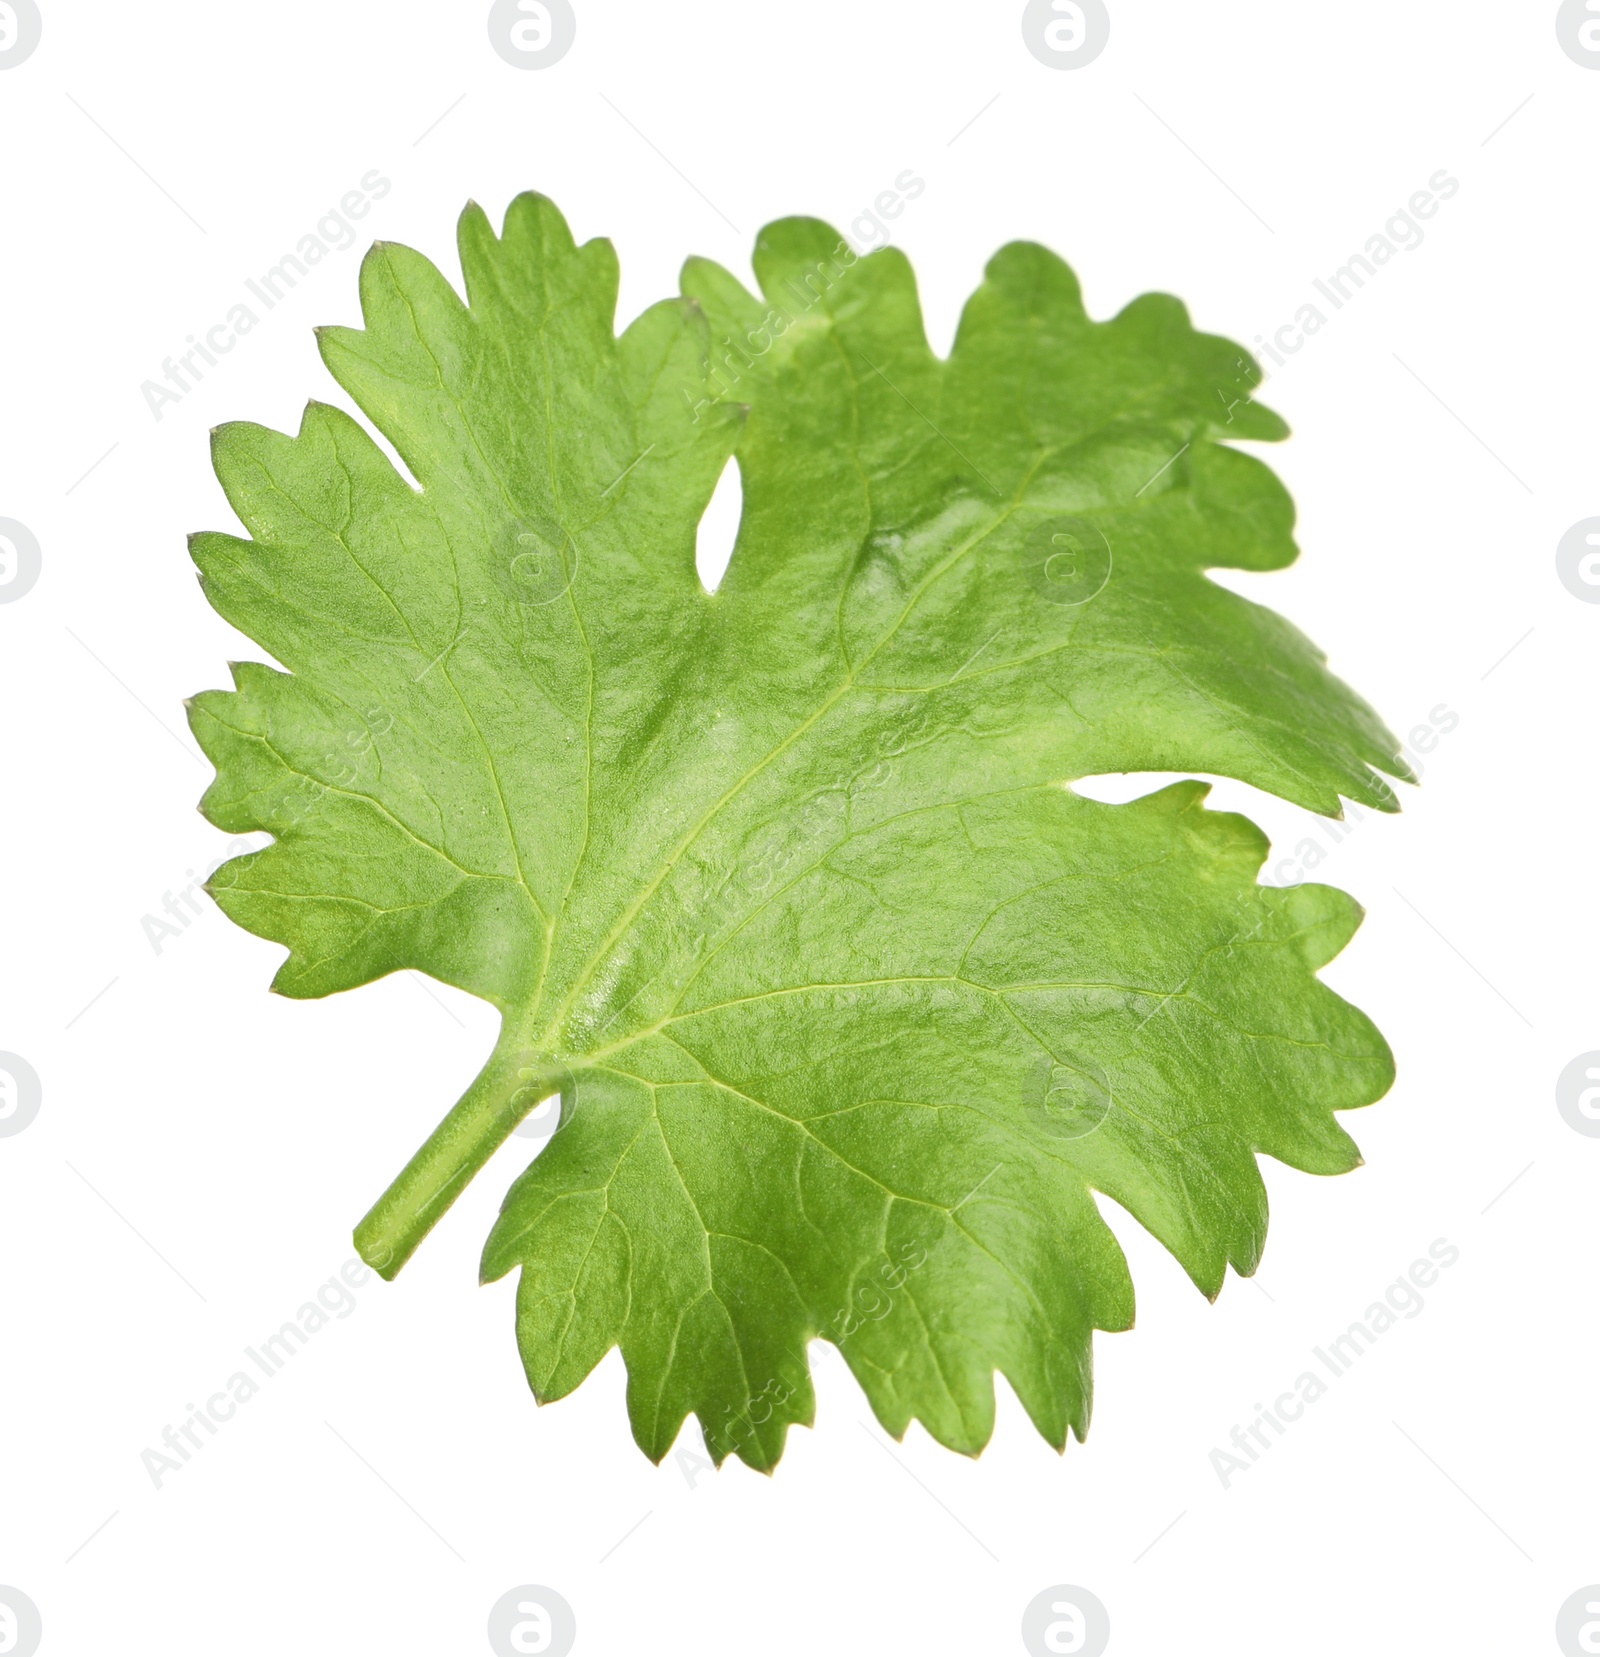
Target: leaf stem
(509, 1086)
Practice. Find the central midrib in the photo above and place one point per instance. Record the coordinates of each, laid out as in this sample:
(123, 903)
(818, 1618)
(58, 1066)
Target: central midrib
(549, 1037)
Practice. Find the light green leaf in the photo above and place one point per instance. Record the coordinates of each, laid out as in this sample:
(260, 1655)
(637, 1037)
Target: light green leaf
(851, 1001)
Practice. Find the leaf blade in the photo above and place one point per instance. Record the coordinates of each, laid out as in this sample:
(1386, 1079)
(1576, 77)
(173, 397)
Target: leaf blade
(853, 1004)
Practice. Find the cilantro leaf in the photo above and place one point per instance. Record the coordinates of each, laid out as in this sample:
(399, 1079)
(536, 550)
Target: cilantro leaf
(852, 1003)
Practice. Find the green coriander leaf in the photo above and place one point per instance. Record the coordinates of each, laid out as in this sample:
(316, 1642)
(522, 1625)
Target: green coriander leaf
(852, 1003)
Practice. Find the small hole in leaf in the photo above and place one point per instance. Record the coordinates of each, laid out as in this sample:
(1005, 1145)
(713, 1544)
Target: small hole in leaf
(719, 527)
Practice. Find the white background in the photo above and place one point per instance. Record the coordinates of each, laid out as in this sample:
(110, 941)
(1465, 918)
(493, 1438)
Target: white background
(204, 1147)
